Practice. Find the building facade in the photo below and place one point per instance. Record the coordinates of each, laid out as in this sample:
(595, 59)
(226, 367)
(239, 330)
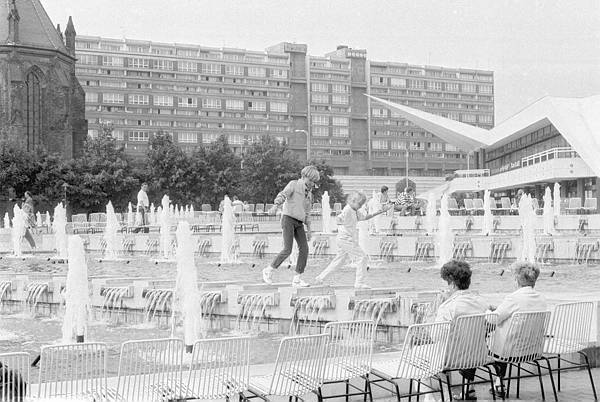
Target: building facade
(41, 101)
(317, 105)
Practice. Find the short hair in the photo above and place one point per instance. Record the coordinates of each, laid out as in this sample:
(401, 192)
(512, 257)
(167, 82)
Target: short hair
(384, 189)
(358, 196)
(311, 173)
(144, 184)
(27, 194)
(458, 273)
(526, 273)
(409, 189)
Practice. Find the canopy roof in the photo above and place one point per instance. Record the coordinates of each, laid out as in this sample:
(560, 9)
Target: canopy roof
(577, 119)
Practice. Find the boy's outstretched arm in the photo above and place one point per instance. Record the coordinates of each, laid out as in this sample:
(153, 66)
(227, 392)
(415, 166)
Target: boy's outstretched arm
(369, 216)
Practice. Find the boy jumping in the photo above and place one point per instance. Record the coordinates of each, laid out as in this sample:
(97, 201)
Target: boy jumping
(347, 240)
(296, 198)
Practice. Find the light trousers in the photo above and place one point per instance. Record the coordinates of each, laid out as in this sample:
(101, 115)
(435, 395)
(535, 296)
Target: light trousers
(348, 252)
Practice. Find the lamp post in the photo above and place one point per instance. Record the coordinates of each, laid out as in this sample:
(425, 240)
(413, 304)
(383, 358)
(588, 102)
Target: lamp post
(307, 142)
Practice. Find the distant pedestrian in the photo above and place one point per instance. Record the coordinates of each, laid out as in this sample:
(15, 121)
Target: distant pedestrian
(28, 209)
(142, 206)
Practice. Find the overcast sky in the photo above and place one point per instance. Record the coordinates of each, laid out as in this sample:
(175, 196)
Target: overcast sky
(535, 48)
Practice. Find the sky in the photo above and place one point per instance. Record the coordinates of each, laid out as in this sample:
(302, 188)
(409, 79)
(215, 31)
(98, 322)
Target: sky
(535, 47)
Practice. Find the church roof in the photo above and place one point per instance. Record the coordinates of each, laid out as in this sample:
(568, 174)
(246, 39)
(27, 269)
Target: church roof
(35, 27)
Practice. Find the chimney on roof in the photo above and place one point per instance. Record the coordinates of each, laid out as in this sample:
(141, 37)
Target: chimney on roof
(59, 32)
(70, 37)
(13, 22)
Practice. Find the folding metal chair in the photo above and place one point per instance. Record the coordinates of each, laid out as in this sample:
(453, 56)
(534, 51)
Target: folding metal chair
(149, 371)
(220, 368)
(422, 357)
(569, 332)
(298, 369)
(478, 205)
(14, 376)
(524, 344)
(76, 370)
(468, 348)
(452, 205)
(469, 207)
(574, 205)
(348, 356)
(590, 205)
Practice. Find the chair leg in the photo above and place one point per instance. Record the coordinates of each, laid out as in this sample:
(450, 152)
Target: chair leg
(507, 393)
(489, 370)
(398, 390)
(449, 385)
(558, 371)
(442, 390)
(518, 379)
(541, 380)
(347, 389)
(587, 364)
(551, 378)
(368, 391)
(320, 394)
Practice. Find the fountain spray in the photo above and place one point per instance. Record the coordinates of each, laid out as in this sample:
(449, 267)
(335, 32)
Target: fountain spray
(77, 295)
(444, 233)
(18, 230)
(228, 254)
(60, 231)
(325, 213)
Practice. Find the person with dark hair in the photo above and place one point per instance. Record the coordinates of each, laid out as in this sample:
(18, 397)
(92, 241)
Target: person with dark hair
(406, 202)
(460, 301)
(28, 209)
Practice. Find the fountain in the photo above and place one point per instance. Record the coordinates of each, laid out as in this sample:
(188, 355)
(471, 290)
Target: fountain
(444, 233)
(152, 215)
(157, 300)
(110, 234)
(166, 244)
(527, 215)
(423, 247)
(60, 232)
(130, 216)
(34, 291)
(253, 307)
(48, 220)
(38, 219)
(17, 231)
(259, 246)
(77, 294)
(372, 206)
(556, 199)
(488, 218)
(498, 249)
(229, 247)
(308, 310)
(430, 215)
(6, 221)
(186, 295)
(548, 213)
(325, 213)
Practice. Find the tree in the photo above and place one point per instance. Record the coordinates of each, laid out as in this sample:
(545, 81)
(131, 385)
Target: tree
(223, 170)
(327, 183)
(267, 167)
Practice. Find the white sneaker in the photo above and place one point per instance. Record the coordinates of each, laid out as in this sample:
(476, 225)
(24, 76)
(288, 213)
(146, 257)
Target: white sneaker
(267, 275)
(297, 282)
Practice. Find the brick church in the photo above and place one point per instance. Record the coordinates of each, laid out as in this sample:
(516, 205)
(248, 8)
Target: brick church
(42, 105)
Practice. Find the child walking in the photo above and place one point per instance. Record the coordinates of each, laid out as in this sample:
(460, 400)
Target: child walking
(347, 240)
(296, 198)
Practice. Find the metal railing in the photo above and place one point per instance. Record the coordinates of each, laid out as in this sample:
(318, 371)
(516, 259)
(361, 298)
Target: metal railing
(472, 173)
(553, 153)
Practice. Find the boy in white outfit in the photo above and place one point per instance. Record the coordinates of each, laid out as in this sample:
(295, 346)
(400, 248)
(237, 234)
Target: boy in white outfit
(347, 240)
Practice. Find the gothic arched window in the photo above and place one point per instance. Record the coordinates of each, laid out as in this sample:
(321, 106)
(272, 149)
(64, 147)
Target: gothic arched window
(34, 110)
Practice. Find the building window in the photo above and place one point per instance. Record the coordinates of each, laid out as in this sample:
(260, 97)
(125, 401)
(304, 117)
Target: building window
(451, 86)
(257, 106)
(340, 121)
(139, 136)
(319, 119)
(163, 65)
(188, 102)
(187, 137)
(485, 118)
(235, 139)
(319, 87)
(340, 131)
(211, 68)
(139, 63)
(234, 70)
(138, 100)
(380, 144)
(112, 61)
(187, 66)
(451, 148)
(118, 135)
(434, 85)
(320, 98)
(378, 80)
(469, 118)
(339, 88)
(234, 104)
(469, 88)
(257, 72)
(377, 112)
(339, 99)
(279, 73)
(211, 103)
(87, 59)
(320, 131)
(163, 100)
(280, 107)
(113, 98)
(398, 144)
(485, 89)
(91, 97)
(398, 82)
(92, 133)
(435, 146)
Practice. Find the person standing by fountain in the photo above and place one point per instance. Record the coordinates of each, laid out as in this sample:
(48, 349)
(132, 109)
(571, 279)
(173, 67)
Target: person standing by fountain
(296, 199)
(142, 206)
(28, 210)
(347, 240)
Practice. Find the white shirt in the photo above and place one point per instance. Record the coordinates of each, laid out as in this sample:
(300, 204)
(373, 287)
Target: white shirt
(347, 223)
(142, 199)
(522, 300)
(461, 302)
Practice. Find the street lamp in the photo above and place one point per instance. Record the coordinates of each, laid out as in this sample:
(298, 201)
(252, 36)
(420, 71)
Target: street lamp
(307, 142)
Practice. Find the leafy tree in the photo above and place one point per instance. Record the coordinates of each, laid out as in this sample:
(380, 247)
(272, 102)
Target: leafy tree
(267, 167)
(223, 171)
(327, 183)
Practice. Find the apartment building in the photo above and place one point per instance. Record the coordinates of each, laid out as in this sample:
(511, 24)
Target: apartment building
(315, 104)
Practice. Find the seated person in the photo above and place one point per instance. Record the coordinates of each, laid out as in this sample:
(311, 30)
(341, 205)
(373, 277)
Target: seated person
(524, 299)
(406, 202)
(237, 205)
(460, 301)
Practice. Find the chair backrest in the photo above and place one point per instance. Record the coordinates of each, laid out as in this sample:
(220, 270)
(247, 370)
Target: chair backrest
(349, 350)
(76, 370)
(79, 218)
(98, 217)
(250, 207)
(478, 203)
(575, 202)
(505, 203)
(570, 327)
(14, 376)
(220, 367)
(150, 370)
(590, 203)
(238, 208)
(468, 341)
(524, 340)
(259, 208)
(535, 203)
(206, 207)
(424, 350)
(337, 206)
(268, 207)
(468, 203)
(245, 216)
(316, 206)
(452, 204)
(299, 365)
